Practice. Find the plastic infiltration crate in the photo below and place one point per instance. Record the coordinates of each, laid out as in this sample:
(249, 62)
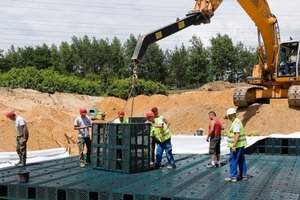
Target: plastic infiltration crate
(121, 147)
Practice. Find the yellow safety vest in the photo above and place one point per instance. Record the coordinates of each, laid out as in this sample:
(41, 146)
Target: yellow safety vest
(125, 121)
(161, 134)
(242, 142)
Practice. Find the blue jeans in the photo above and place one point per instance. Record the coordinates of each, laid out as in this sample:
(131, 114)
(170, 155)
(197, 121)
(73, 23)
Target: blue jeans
(237, 159)
(160, 148)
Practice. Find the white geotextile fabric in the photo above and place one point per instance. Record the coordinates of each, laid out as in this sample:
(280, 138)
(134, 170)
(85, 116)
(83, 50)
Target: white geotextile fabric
(181, 145)
(10, 158)
(199, 145)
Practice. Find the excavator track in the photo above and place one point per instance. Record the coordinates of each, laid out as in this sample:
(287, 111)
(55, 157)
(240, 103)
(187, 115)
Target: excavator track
(294, 96)
(245, 96)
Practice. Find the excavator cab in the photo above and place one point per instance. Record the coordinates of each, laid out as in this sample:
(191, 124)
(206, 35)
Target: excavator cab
(288, 61)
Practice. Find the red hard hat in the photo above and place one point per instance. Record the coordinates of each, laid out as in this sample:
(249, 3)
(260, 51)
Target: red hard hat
(121, 113)
(83, 111)
(149, 114)
(154, 109)
(9, 113)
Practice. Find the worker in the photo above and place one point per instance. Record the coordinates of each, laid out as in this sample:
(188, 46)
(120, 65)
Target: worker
(83, 123)
(214, 139)
(153, 139)
(121, 118)
(236, 142)
(22, 137)
(156, 115)
(160, 131)
(119, 140)
(292, 62)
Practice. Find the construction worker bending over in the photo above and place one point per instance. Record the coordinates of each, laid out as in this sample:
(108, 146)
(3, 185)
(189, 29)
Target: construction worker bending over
(22, 137)
(160, 131)
(236, 141)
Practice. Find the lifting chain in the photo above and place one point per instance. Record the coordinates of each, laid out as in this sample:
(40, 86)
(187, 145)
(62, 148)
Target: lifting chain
(134, 79)
(134, 76)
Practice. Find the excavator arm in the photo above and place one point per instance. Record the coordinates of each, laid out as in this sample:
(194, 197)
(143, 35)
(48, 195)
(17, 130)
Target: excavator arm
(260, 13)
(202, 13)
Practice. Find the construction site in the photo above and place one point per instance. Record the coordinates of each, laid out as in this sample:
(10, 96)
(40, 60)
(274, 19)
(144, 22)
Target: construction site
(273, 163)
(267, 104)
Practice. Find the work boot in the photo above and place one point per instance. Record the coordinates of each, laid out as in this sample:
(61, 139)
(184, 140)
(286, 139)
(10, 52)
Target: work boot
(211, 166)
(22, 164)
(171, 167)
(82, 164)
(233, 180)
(243, 178)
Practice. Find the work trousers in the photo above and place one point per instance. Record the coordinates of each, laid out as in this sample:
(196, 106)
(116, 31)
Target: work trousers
(21, 149)
(160, 148)
(152, 148)
(237, 159)
(81, 143)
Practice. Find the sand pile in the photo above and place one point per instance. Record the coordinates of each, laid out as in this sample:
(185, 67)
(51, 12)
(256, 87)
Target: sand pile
(50, 117)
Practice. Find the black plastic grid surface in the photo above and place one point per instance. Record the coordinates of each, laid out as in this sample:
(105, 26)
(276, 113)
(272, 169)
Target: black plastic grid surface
(272, 177)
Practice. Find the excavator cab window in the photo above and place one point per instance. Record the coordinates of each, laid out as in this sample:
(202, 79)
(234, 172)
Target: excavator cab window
(288, 60)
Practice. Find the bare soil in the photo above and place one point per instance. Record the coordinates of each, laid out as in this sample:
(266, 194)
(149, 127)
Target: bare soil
(50, 117)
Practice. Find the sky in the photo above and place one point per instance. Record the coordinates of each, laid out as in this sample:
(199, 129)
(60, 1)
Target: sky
(34, 22)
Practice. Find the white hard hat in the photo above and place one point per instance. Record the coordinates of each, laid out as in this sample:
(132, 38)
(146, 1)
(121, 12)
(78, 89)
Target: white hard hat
(231, 111)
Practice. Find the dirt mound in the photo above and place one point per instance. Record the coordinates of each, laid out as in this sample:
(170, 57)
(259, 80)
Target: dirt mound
(50, 117)
(220, 85)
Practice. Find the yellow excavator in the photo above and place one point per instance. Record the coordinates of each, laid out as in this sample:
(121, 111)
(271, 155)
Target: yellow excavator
(277, 74)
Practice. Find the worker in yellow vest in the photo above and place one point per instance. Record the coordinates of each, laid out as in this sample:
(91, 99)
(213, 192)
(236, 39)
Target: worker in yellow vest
(121, 118)
(160, 131)
(153, 139)
(236, 141)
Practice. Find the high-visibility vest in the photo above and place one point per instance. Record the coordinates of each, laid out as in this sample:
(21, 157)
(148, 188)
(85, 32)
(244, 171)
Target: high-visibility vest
(242, 142)
(161, 134)
(125, 121)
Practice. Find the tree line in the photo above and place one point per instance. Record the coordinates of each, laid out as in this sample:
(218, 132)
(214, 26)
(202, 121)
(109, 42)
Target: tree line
(101, 67)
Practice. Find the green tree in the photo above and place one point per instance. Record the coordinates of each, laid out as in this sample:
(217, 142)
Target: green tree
(117, 60)
(82, 51)
(41, 58)
(246, 59)
(177, 66)
(67, 58)
(223, 57)
(152, 66)
(128, 49)
(12, 59)
(3, 66)
(199, 62)
(55, 60)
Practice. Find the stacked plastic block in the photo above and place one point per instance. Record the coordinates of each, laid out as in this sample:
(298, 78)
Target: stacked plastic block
(121, 147)
(276, 146)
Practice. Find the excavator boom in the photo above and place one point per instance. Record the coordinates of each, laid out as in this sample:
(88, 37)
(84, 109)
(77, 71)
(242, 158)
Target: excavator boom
(202, 13)
(145, 40)
(266, 22)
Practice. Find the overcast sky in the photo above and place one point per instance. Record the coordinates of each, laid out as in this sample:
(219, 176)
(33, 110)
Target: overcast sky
(34, 22)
